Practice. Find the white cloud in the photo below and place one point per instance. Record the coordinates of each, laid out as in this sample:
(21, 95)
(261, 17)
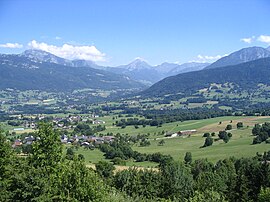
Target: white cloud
(264, 38)
(11, 45)
(58, 38)
(70, 51)
(140, 58)
(207, 58)
(248, 40)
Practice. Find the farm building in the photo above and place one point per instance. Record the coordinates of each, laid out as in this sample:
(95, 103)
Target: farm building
(186, 132)
(180, 133)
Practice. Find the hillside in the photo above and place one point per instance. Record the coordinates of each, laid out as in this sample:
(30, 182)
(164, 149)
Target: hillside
(27, 73)
(241, 56)
(245, 76)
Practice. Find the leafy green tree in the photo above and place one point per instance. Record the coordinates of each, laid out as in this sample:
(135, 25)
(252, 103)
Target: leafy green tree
(257, 140)
(228, 127)
(239, 125)
(38, 178)
(6, 159)
(206, 135)
(27, 148)
(207, 195)
(188, 158)
(144, 183)
(210, 181)
(119, 161)
(177, 181)
(81, 157)
(201, 165)
(70, 153)
(208, 142)
(75, 182)
(224, 136)
(225, 169)
(251, 176)
(256, 130)
(47, 149)
(105, 169)
(264, 195)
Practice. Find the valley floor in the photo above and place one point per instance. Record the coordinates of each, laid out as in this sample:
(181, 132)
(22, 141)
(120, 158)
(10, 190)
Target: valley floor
(240, 145)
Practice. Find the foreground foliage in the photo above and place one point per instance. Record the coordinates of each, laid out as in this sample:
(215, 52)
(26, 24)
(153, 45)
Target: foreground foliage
(46, 174)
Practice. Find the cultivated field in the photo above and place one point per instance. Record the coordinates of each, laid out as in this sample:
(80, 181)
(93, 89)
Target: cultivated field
(240, 145)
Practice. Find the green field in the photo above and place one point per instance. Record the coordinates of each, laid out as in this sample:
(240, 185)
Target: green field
(167, 127)
(240, 145)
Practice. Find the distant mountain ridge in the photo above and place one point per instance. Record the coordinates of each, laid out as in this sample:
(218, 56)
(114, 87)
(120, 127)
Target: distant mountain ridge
(42, 56)
(187, 67)
(138, 69)
(40, 71)
(141, 71)
(61, 74)
(245, 75)
(241, 56)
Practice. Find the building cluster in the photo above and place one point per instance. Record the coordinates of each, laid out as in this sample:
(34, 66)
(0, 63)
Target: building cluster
(81, 140)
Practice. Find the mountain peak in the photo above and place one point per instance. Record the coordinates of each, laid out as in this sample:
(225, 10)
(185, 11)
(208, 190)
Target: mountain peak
(37, 55)
(35, 52)
(138, 63)
(139, 60)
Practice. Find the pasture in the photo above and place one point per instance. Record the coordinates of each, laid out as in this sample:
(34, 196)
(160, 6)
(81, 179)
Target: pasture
(240, 145)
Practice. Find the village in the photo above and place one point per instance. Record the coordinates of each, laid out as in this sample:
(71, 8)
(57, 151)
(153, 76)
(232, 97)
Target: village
(64, 124)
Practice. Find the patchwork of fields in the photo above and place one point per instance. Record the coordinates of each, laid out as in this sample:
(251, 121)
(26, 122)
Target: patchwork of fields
(240, 145)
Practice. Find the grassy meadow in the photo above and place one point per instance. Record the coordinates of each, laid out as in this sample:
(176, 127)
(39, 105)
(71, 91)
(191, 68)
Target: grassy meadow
(240, 145)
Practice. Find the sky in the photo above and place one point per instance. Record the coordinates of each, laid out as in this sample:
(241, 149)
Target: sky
(115, 32)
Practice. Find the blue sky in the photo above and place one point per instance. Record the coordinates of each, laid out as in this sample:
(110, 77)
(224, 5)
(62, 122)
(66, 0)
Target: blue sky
(114, 32)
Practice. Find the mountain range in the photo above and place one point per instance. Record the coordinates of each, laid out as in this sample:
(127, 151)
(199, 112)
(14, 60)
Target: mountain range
(36, 69)
(44, 71)
(138, 69)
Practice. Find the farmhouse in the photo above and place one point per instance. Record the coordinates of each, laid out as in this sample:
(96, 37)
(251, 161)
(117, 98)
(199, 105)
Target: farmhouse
(180, 133)
(98, 122)
(18, 129)
(17, 143)
(186, 132)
